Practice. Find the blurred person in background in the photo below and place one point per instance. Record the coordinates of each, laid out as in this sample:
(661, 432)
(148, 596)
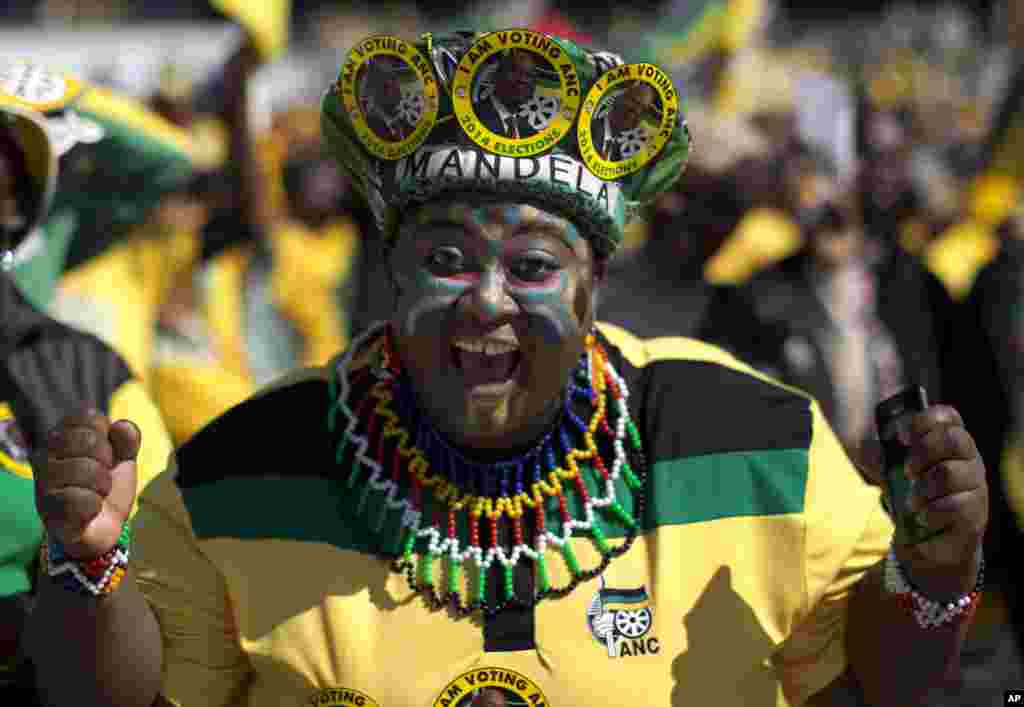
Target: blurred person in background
(660, 289)
(268, 293)
(994, 393)
(762, 98)
(109, 246)
(47, 370)
(889, 201)
(839, 318)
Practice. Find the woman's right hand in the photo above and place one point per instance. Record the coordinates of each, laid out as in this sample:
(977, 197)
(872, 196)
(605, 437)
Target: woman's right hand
(86, 482)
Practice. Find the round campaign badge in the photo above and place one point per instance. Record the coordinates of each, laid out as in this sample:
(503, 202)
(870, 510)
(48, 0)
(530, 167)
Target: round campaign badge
(494, 687)
(628, 116)
(36, 87)
(342, 697)
(390, 93)
(516, 92)
(13, 450)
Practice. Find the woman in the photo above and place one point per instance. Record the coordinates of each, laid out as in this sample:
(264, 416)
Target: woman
(47, 370)
(489, 492)
(118, 161)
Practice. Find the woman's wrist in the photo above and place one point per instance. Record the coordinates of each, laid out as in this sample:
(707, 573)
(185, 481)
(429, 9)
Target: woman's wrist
(97, 577)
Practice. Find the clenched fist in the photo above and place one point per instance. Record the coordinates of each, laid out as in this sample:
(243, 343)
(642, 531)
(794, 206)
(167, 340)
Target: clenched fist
(86, 482)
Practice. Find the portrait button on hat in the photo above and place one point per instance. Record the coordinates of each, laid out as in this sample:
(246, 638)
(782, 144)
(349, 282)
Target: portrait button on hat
(511, 114)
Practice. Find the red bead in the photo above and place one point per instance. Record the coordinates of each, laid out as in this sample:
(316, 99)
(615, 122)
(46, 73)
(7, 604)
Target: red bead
(517, 531)
(563, 511)
(451, 524)
(599, 463)
(582, 488)
(396, 468)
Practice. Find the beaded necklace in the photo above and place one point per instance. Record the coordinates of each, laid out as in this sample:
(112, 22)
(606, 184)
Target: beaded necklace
(379, 415)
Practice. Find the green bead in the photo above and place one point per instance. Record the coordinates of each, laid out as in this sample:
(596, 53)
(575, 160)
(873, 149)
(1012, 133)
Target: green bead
(427, 562)
(382, 515)
(453, 577)
(410, 543)
(481, 585)
(634, 434)
(509, 586)
(622, 514)
(570, 559)
(631, 479)
(356, 469)
(600, 539)
(364, 495)
(339, 453)
(542, 574)
(125, 538)
(332, 418)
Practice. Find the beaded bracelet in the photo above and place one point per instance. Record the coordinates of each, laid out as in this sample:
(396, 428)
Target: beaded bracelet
(929, 613)
(92, 578)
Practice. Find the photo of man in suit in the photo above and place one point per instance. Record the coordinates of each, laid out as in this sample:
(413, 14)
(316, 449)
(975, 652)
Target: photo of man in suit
(515, 80)
(618, 132)
(381, 97)
(489, 697)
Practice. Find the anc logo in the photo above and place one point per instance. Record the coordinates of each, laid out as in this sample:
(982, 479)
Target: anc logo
(622, 620)
(628, 116)
(491, 687)
(389, 91)
(342, 697)
(516, 92)
(32, 86)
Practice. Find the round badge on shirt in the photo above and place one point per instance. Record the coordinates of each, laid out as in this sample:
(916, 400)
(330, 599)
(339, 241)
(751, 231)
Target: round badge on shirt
(490, 686)
(516, 92)
(628, 116)
(389, 91)
(342, 697)
(36, 87)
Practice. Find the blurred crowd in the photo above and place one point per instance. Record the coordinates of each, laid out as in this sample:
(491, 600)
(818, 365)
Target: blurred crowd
(850, 221)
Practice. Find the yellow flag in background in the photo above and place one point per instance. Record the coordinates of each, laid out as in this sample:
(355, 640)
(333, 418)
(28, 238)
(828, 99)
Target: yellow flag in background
(266, 20)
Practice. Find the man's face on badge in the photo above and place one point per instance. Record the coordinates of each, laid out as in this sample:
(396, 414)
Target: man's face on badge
(514, 84)
(636, 100)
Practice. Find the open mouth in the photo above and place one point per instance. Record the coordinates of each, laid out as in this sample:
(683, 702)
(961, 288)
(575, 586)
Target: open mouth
(486, 362)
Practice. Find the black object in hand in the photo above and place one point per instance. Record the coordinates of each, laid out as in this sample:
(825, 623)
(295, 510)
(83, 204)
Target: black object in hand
(890, 415)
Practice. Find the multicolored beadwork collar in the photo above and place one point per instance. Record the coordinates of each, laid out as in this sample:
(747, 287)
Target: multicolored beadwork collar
(442, 498)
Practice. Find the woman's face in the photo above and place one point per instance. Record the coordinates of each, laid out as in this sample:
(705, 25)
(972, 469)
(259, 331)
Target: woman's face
(494, 303)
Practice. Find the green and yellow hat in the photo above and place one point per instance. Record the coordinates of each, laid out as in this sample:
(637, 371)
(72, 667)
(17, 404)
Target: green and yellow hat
(29, 133)
(515, 113)
(117, 157)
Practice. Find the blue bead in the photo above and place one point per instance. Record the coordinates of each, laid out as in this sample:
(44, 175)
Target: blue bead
(566, 444)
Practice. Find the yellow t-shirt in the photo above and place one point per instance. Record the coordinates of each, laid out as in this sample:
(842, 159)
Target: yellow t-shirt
(194, 382)
(270, 589)
(117, 295)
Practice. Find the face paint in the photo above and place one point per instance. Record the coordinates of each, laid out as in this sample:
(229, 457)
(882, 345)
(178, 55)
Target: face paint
(430, 295)
(461, 267)
(549, 314)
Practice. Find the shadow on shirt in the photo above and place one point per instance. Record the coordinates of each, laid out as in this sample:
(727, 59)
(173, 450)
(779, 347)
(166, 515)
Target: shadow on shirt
(715, 655)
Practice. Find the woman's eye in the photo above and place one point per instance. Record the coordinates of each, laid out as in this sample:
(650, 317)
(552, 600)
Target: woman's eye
(533, 269)
(445, 261)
